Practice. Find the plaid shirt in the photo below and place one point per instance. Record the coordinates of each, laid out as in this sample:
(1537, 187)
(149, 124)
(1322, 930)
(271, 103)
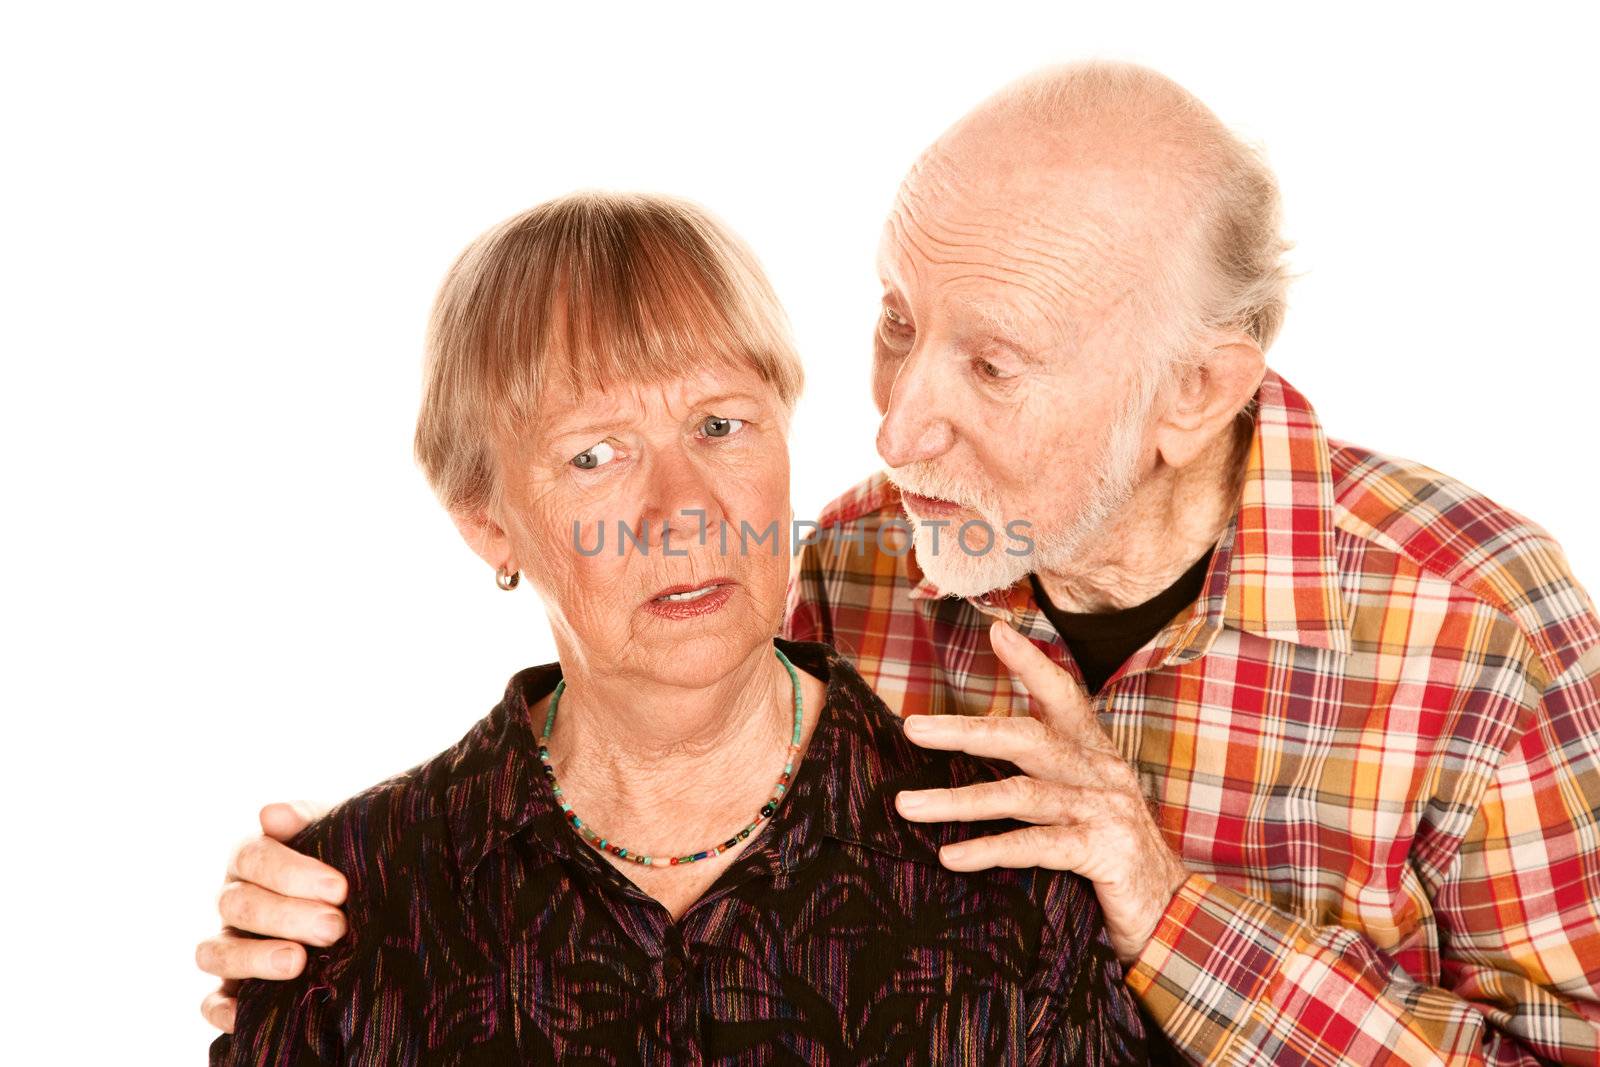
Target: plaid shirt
(1374, 740)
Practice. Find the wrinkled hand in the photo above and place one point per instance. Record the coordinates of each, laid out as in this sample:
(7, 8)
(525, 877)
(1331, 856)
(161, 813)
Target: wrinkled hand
(1084, 800)
(272, 890)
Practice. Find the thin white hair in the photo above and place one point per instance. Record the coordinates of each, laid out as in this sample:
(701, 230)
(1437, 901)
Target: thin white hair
(1227, 270)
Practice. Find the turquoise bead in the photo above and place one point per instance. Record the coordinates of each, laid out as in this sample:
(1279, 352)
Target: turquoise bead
(767, 810)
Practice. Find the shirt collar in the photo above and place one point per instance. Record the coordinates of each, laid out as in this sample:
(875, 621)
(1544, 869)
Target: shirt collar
(1275, 572)
(1282, 556)
(861, 759)
(494, 793)
(858, 758)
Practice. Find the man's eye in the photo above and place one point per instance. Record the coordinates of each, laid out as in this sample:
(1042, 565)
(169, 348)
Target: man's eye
(716, 426)
(988, 370)
(895, 320)
(590, 458)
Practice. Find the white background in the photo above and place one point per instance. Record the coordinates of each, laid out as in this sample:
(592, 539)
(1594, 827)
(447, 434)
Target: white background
(225, 583)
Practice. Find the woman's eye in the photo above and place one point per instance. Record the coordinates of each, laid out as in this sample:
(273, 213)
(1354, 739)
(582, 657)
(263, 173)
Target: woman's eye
(716, 426)
(598, 456)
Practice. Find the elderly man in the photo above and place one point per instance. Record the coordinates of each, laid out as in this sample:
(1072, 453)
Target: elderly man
(1321, 726)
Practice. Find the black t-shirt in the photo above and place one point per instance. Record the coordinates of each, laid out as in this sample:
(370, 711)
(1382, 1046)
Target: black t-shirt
(1100, 642)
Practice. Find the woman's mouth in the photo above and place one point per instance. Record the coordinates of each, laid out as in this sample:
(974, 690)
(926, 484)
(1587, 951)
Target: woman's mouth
(693, 594)
(689, 601)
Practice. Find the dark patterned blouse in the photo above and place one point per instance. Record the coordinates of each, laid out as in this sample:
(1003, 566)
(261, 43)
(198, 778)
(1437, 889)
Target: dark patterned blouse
(485, 931)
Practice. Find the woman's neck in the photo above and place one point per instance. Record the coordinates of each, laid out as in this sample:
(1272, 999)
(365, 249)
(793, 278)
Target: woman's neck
(667, 769)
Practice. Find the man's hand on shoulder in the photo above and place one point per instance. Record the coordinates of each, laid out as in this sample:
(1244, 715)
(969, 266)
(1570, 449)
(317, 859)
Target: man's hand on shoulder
(287, 900)
(1083, 799)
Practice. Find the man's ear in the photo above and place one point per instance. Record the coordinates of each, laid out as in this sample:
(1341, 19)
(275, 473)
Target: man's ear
(486, 537)
(1203, 399)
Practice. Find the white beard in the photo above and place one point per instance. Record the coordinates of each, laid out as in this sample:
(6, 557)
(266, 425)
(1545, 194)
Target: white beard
(960, 573)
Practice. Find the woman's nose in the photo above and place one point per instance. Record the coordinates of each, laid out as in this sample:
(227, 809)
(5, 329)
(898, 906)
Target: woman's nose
(680, 505)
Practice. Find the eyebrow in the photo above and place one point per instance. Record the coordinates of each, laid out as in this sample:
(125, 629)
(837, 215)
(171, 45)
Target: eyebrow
(1000, 321)
(1002, 324)
(711, 401)
(601, 424)
(590, 426)
(557, 440)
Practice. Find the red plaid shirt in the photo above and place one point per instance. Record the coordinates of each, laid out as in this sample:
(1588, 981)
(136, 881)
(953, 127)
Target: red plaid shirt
(1374, 739)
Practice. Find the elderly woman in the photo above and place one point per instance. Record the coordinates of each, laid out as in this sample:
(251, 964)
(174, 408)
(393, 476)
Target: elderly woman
(677, 843)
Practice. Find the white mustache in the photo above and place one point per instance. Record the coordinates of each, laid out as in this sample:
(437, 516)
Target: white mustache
(925, 480)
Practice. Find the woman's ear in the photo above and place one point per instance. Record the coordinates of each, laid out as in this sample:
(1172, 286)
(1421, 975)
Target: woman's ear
(485, 537)
(1203, 399)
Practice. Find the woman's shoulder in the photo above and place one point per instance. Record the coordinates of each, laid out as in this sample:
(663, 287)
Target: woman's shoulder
(408, 816)
(362, 831)
(870, 724)
(873, 760)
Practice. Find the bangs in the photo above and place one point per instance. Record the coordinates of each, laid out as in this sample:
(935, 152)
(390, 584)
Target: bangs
(646, 296)
(588, 292)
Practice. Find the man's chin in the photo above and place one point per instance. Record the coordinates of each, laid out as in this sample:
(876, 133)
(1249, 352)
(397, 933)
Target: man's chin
(962, 575)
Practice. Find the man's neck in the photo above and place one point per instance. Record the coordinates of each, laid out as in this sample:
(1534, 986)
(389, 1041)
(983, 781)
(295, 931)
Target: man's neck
(1175, 516)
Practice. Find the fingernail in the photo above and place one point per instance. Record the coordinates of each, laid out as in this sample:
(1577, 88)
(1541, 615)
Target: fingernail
(332, 889)
(331, 927)
(952, 853)
(1006, 633)
(915, 724)
(283, 960)
(909, 801)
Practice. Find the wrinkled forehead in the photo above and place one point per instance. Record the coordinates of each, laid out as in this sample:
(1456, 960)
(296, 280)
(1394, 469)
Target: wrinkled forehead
(1001, 261)
(1035, 227)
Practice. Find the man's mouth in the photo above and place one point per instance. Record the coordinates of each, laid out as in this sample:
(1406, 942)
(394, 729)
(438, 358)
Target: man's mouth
(931, 505)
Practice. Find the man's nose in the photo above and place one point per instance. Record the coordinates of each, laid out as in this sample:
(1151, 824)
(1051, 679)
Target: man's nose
(915, 426)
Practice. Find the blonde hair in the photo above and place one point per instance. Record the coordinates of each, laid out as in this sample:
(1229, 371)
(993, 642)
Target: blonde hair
(589, 290)
(1230, 274)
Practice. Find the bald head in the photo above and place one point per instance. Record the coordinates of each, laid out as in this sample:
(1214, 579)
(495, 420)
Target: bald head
(1120, 152)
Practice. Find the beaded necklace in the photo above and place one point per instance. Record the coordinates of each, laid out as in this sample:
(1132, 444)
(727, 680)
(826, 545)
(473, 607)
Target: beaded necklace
(606, 845)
